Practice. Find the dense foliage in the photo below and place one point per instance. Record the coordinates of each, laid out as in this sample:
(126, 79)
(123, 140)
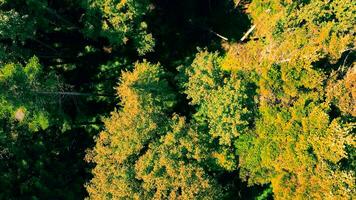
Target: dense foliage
(177, 99)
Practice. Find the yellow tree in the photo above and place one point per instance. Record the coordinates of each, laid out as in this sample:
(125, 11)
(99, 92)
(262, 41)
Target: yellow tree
(299, 143)
(143, 153)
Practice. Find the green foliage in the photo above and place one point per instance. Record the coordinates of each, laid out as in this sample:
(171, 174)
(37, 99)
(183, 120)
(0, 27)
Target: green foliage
(15, 27)
(265, 194)
(35, 166)
(145, 154)
(203, 75)
(22, 98)
(121, 22)
(19, 23)
(224, 104)
(229, 110)
(34, 150)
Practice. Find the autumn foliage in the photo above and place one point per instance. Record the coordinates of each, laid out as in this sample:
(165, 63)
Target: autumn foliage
(126, 99)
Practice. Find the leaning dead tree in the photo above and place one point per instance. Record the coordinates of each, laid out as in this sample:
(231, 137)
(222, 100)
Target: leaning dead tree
(248, 33)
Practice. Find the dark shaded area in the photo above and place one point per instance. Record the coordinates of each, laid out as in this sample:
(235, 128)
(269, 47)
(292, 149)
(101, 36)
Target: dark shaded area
(47, 165)
(347, 58)
(239, 189)
(180, 26)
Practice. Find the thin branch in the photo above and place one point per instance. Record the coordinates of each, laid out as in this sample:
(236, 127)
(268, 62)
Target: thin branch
(44, 44)
(49, 10)
(343, 66)
(72, 93)
(218, 35)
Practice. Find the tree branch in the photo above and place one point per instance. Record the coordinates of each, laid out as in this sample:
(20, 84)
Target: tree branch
(218, 35)
(72, 93)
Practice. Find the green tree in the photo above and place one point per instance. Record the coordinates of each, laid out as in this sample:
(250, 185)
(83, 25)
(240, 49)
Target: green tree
(24, 99)
(298, 150)
(35, 165)
(120, 21)
(224, 104)
(14, 30)
(35, 144)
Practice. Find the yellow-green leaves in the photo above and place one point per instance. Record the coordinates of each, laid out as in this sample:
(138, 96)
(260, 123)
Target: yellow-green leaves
(144, 153)
(224, 104)
(202, 76)
(268, 108)
(298, 150)
(146, 88)
(342, 92)
(145, 99)
(299, 141)
(168, 170)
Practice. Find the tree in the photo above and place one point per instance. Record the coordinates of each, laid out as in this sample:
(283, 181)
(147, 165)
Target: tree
(121, 22)
(296, 128)
(224, 104)
(35, 144)
(171, 167)
(267, 112)
(47, 164)
(298, 150)
(300, 33)
(342, 93)
(144, 153)
(24, 26)
(21, 99)
(14, 30)
(146, 97)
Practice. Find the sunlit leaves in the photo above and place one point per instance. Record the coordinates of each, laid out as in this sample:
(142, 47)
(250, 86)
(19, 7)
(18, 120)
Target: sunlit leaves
(298, 141)
(224, 104)
(169, 171)
(146, 97)
(298, 150)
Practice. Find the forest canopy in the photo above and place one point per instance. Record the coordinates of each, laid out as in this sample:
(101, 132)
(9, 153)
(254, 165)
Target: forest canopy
(177, 99)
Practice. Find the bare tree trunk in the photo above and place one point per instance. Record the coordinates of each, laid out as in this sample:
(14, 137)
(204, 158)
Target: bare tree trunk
(248, 33)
